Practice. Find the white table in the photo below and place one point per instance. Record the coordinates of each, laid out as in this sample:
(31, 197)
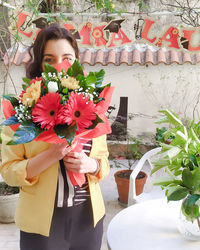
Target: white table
(151, 225)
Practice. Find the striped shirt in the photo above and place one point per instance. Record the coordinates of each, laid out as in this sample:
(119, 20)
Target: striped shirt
(67, 194)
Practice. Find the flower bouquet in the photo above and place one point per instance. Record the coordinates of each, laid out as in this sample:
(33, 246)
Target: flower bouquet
(62, 105)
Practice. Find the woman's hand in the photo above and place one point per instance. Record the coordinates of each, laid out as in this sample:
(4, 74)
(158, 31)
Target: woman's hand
(45, 159)
(80, 163)
(59, 150)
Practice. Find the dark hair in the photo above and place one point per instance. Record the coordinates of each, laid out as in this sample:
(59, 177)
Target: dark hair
(52, 32)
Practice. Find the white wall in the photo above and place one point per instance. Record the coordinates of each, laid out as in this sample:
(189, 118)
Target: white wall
(151, 88)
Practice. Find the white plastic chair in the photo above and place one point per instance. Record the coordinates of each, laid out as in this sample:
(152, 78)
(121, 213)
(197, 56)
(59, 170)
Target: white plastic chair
(132, 189)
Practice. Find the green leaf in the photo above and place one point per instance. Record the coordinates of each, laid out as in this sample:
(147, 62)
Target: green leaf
(165, 181)
(66, 132)
(189, 209)
(192, 199)
(177, 193)
(10, 121)
(91, 79)
(65, 91)
(14, 101)
(95, 122)
(100, 76)
(100, 89)
(75, 69)
(26, 80)
(26, 132)
(8, 97)
(158, 164)
(193, 159)
(24, 86)
(48, 68)
(196, 179)
(170, 117)
(187, 178)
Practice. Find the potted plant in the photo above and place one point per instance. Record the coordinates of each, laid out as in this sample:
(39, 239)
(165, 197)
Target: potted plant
(8, 199)
(181, 160)
(132, 153)
(160, 136)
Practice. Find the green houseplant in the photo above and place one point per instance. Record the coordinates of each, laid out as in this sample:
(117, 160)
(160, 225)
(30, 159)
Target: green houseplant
(181, 160)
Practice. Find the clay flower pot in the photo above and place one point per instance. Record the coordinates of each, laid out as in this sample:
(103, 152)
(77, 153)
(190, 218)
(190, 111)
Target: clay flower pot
(122, 180)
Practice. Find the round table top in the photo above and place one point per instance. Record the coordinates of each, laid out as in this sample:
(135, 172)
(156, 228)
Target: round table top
(150, 225)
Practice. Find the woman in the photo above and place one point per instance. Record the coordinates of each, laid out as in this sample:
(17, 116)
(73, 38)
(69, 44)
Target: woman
(51, 212)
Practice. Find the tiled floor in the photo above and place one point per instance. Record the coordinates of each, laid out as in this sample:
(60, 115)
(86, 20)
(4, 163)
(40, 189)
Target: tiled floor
(9, 234)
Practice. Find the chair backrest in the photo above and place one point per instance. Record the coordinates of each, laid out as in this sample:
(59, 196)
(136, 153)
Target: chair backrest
(146, 157)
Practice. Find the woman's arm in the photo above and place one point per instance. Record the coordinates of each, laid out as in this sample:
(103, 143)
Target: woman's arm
(18, 169)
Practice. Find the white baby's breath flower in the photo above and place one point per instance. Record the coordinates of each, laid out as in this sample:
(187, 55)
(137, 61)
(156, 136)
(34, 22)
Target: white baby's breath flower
(52, 87)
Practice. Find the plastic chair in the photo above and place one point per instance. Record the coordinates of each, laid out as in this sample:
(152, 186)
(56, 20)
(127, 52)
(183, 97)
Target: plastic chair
(132, 189)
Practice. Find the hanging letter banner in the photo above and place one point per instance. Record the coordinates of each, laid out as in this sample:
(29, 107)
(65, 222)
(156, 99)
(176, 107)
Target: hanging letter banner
(113, 34)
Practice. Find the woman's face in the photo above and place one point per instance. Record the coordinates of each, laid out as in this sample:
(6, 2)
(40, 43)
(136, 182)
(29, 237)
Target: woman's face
(56, 51)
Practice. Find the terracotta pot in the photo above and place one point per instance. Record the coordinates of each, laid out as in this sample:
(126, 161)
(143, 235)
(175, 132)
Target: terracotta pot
(123, 185)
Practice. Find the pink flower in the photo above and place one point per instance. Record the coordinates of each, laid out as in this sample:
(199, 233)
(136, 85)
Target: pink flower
(78, 109)
(45, 111)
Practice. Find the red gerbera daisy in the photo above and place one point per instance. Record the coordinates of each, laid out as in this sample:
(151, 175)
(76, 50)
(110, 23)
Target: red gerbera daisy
(78, 109)
(46, 110)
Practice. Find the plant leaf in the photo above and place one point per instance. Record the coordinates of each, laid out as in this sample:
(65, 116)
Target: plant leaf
(187, 178)
(158, 164)
(26, 80)
(10, 121)
(67, 132)
(196, 179)
(189, 209)
(165, 181)
(170, 117)
(13, 100)
(95, 122)
(48, 68)
(100, 76)
(91, 80)
(8, 97)
(26, 132)
(75, 69)
(177, 193)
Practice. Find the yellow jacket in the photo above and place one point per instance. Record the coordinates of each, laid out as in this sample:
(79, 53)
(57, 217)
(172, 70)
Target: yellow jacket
(37, 196)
